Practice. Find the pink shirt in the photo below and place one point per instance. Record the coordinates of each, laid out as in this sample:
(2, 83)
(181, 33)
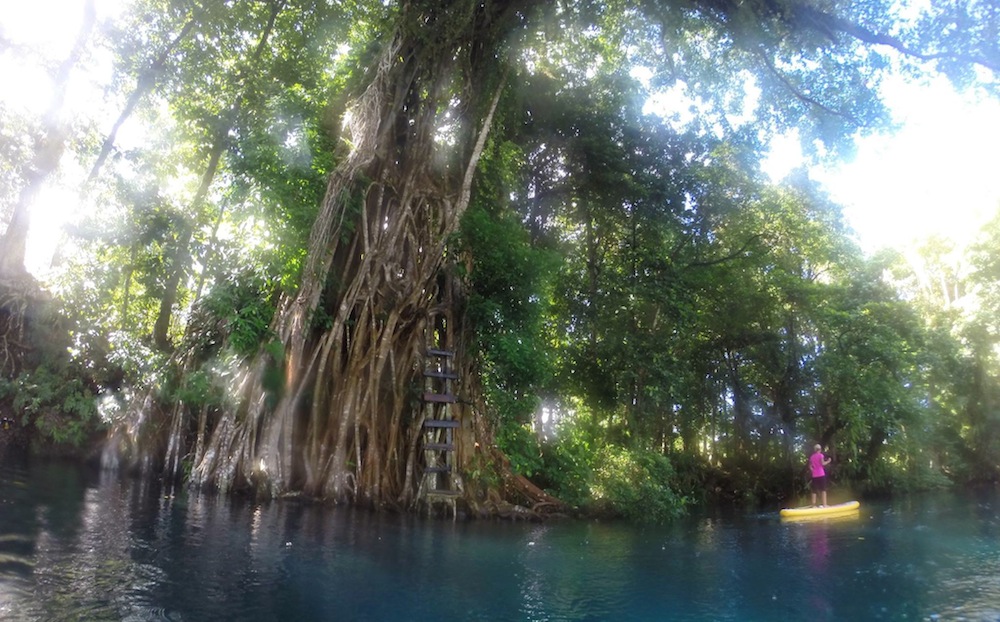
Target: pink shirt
(816, 464)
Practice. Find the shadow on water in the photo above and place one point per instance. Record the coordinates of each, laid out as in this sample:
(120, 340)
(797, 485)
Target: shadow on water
(80, 545)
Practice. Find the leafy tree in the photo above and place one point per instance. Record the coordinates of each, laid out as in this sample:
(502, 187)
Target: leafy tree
(367, 228)
(330, 189)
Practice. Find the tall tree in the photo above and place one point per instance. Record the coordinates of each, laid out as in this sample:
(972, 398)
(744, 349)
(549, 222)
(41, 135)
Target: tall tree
(375, 287)
(381, 230)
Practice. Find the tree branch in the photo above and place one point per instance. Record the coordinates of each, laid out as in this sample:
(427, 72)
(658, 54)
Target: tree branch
(729, 257)
(810, 17)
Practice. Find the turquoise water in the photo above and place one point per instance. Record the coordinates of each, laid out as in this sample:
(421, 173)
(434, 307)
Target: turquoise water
(81, 546)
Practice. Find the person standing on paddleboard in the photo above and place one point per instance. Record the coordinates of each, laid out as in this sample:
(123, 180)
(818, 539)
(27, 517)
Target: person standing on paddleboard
(816, 463)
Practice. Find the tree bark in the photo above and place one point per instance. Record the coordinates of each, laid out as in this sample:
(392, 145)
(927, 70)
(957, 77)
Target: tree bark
(345, 426)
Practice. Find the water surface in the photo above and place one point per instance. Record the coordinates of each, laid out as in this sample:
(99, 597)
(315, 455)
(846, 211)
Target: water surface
(85, 546)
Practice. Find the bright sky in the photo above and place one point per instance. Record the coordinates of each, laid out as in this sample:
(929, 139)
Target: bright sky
(939, 175)
(50, 28)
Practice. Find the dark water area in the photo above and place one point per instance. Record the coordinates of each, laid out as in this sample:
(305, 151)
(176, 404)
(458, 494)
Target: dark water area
(76, 545)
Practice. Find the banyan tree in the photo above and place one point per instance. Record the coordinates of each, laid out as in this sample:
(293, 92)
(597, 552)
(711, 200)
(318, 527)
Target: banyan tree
(345, 425)
(346, 421)
(381, 287)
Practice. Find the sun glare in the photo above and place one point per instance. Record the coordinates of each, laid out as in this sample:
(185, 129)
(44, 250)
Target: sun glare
(935, 176)
(41, 34)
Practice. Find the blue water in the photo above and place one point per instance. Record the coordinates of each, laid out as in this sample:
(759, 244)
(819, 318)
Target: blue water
(82, 546)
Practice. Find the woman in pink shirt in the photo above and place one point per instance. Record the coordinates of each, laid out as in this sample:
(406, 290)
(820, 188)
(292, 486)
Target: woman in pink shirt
(816, 463)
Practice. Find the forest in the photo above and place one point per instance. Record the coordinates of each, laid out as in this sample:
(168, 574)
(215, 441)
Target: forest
(439, 253)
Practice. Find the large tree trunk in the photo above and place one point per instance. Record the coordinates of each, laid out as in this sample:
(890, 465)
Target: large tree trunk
(345, 425)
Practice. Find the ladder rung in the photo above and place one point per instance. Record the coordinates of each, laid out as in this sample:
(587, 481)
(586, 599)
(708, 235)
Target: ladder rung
(441, 423)
(439, 446)
(443, 493)
(439, 397)
(449, 375)
(436, 352)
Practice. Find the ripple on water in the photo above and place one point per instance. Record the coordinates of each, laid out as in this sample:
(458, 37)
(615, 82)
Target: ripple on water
(114, 551)
(970, 592)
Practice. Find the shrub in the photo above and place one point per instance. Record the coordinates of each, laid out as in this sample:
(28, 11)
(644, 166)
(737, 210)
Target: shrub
(635, 484)
(520, 446)
(59, 407)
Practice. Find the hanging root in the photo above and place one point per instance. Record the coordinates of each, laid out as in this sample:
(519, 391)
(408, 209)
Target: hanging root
(17, 296)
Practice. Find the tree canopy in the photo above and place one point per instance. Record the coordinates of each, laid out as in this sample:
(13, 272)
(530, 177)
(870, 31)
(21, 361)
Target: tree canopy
(283, 205)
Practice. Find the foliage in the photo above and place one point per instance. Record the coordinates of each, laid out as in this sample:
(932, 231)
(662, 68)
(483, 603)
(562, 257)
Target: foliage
(618, 255)
(635, 484)
(482, 476)
(610, 480)
(520, 445)
(241, 306)
(567, 468)
(59, 407)
(507, 286)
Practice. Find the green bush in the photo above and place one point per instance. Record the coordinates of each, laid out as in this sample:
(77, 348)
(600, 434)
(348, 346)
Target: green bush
(567, 465)
(506, 290)
(636, 485)
(520, 446)
(244, 303)
(197, 389)
(59, 407)
(607, 479)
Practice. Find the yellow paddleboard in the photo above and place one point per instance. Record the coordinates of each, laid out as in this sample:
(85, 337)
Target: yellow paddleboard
(816, 511)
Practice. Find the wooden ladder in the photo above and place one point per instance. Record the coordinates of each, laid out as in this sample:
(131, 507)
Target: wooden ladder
(440, 482)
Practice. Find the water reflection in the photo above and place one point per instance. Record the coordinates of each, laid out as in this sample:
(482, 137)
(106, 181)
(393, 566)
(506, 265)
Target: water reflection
(81, 546)
(562, 564)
